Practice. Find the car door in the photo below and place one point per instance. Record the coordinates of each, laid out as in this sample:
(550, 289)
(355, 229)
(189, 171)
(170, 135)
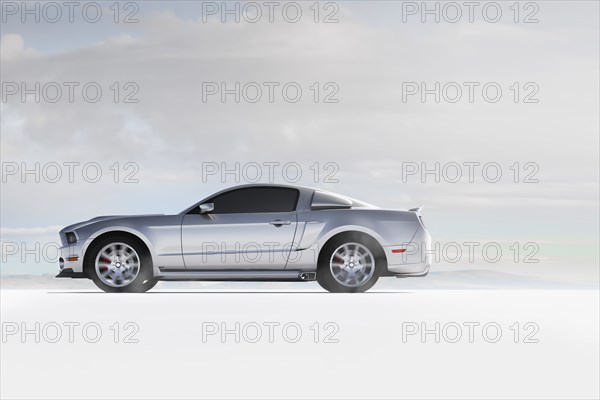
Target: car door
(249, 228)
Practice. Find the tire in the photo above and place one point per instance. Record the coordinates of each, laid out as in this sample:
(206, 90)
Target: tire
(149, 284)
(120, 264)
(350, 263)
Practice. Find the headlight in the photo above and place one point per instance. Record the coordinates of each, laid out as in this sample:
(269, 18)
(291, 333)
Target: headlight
(71, 238)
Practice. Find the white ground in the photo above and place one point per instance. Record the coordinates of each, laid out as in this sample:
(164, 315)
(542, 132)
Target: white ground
(370, 359)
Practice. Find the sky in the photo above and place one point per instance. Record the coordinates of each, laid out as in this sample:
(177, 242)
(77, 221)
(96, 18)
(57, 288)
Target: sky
(162, 135)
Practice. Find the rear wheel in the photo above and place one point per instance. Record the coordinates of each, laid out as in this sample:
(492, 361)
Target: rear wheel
(121, 264)
(349, 264)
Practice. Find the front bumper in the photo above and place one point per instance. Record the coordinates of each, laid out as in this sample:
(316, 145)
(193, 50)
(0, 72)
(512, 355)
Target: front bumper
(68, 273)
(70, 258)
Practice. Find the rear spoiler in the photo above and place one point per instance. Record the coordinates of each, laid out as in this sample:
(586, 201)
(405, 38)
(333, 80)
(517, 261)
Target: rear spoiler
(417, 209)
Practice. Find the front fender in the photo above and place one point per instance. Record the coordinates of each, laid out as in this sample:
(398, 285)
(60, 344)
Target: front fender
(121, 228)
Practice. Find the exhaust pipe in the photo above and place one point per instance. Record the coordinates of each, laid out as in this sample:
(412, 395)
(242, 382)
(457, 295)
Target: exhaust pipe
(307, 276)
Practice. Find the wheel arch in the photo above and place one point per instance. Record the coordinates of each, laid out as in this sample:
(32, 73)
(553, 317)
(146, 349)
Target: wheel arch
(355, 235)
(143, 241)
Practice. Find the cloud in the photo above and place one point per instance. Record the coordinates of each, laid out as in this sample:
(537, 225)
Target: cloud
(169, 57)
(170, 131)
(13, 48)
(30, 231)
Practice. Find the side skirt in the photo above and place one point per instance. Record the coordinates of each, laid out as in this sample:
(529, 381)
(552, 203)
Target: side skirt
(235, 275)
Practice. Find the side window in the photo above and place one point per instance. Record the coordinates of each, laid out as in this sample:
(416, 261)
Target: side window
(256, 200)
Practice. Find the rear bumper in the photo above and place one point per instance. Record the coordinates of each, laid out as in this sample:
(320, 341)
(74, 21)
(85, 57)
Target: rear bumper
(410, 259)
(407, 271)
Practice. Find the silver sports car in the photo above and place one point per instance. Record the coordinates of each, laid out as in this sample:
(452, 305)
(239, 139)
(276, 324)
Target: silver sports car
(251, 232)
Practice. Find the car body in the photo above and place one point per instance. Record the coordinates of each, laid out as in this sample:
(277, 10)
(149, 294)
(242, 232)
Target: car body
(251, 232)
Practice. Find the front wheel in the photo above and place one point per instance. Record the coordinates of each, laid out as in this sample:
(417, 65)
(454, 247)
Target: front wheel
(121, 264)
(349, 265)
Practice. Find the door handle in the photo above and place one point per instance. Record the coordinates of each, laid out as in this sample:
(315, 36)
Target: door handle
(279, 223)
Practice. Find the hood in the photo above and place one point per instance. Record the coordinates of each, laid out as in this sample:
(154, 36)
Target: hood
(94, 220)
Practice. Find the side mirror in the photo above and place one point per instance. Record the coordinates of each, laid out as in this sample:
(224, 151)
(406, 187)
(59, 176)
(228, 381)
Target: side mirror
(206, 208)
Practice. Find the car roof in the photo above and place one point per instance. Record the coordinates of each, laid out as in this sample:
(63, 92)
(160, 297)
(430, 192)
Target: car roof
(305, 191)
(270, 185)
